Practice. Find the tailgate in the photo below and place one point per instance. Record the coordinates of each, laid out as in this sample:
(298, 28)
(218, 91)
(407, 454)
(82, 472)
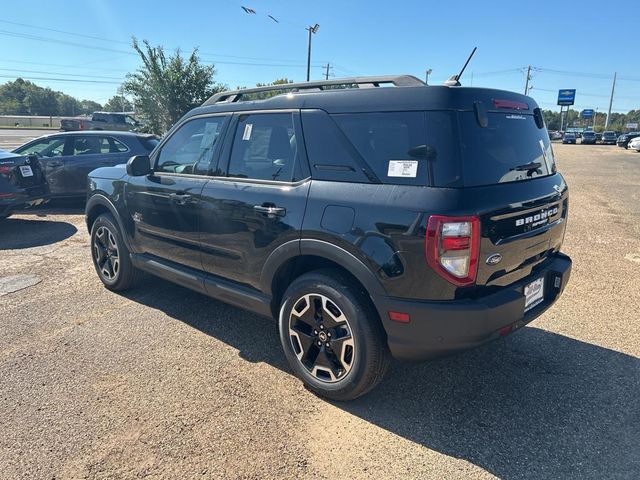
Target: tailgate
(516, 238)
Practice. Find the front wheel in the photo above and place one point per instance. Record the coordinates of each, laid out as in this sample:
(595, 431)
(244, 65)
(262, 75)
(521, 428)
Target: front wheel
(111, 256)
(332, 336)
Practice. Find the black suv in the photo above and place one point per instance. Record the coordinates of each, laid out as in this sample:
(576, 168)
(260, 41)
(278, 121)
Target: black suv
(409, 221)
(625, 138)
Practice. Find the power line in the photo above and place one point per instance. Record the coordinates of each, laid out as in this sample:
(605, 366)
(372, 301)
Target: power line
(94, 47)
(63, 74)
(75, 34)
(72, 80)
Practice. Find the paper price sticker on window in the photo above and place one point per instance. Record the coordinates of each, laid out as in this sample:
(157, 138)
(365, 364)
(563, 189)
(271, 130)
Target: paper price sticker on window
(403, 168)
(247, 131)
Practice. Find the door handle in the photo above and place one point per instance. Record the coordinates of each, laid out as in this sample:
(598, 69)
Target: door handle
(180, 198)
(270, 210)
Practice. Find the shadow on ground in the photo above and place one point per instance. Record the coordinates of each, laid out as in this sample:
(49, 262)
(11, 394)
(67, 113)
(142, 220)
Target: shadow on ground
(535, 405)
(16, 233)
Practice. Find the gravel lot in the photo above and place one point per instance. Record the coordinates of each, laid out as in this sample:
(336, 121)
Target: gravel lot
(165, 383)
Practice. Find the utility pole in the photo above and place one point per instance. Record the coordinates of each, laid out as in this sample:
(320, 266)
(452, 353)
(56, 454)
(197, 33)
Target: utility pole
(428, 72)
(312, 29)
(526, 85)
(326, 73)
(613, 89)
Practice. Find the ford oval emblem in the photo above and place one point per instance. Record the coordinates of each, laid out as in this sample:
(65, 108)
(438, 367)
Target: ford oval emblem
(494, 259)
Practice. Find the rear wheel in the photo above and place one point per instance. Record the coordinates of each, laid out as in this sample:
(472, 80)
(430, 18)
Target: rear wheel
(111, 256)
(332, 336)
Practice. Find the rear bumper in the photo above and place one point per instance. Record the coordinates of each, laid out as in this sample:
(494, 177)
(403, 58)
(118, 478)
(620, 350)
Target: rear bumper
(440, 328)
(22, 200)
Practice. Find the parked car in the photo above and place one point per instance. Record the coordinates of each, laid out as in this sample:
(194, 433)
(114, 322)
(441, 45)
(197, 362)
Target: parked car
(609, 138)
(67, 158)
(625, 138)
(555, 135)
(407, 221)
(22, 183)
(101, 121)
(569, 137)
(588, 138)
(635, 144)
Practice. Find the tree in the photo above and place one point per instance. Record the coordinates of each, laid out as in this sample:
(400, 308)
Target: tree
(265, 95)
(41, 101)
(69, 106)
(89, 106)
(118, 103)
(167, 87)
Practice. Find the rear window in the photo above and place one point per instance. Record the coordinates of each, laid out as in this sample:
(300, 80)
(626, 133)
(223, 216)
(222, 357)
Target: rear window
(449, 149)
(149, 142)
(510, 148)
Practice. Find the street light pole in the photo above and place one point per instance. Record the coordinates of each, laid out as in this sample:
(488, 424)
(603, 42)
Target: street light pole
(312, 29)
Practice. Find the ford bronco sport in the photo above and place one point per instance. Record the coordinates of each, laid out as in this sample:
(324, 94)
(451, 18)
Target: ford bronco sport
(409, 222)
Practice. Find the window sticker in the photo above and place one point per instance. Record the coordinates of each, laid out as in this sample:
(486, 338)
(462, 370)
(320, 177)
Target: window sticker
(247, 131)
(209, 136)
(403, 168)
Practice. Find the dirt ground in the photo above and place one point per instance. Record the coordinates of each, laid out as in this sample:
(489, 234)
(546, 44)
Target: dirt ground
(165, 383)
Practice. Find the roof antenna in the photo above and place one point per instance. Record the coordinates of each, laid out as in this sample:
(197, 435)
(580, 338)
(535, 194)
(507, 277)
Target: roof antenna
(454, 81)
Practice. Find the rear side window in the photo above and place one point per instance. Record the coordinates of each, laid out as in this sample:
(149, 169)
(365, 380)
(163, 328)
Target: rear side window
(406, 148)
(510, 148)
(390, 143)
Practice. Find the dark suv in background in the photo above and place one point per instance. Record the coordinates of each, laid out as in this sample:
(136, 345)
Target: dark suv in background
(625, 138)
(411, 221)
(588, 138)
(609, 138)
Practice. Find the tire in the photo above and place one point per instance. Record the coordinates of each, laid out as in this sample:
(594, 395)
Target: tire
(353, 356)
(111, 257)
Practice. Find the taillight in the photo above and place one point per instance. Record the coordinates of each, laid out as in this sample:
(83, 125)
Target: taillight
(5, 169)
(452, 247)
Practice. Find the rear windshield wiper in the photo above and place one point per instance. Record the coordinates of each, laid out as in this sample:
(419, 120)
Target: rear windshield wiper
(530, 168)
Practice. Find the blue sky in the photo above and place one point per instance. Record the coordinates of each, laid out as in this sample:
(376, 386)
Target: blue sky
(569, 44)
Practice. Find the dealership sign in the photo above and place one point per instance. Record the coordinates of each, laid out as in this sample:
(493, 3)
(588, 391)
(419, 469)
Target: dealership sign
(587, 113)
(631, 125)
(566, 96)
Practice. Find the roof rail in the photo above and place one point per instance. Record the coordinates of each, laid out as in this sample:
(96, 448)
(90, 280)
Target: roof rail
(360, 82)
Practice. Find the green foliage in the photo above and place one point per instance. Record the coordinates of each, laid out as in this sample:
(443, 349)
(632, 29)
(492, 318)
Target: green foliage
(22, 97)
(165, 87)
(118, 103)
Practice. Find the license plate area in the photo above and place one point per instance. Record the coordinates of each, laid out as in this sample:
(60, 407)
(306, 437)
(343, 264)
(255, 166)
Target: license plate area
(25, 171)
(533, 294)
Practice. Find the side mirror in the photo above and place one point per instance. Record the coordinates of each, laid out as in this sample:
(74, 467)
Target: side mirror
(138, 166)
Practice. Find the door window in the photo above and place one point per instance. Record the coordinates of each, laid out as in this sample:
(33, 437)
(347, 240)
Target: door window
(190, 148)
(265, 148)
(94, 145)
(48, 147)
